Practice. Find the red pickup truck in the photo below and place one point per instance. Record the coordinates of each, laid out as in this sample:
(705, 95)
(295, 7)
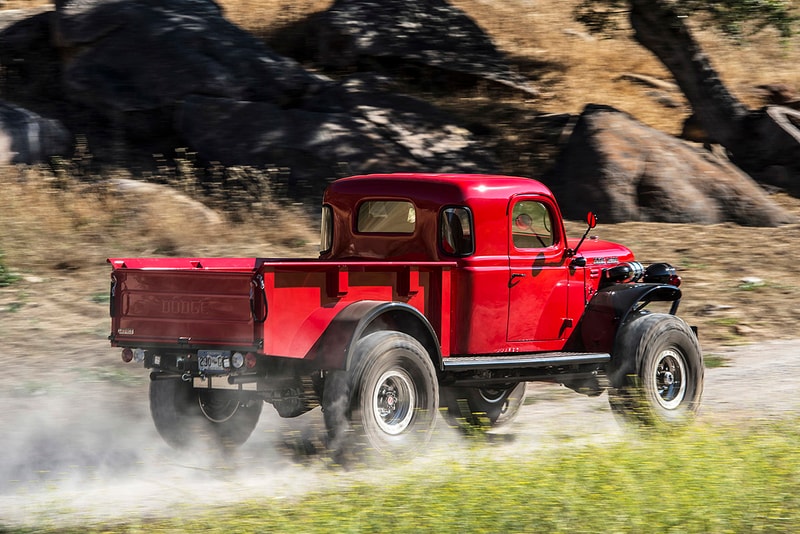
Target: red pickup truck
(432, 292)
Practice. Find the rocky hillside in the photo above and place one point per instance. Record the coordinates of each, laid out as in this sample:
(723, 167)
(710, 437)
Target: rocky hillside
(319, 90)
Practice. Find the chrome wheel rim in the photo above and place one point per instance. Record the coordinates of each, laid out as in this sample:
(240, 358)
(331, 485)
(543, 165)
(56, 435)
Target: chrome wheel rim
(669, 377)
(393, 401)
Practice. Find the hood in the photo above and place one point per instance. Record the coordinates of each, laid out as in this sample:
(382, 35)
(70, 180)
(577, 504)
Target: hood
(602, 252)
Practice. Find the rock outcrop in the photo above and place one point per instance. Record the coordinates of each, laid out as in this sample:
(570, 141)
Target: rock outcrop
(366, 131)
(433, 34)
(627, 171)
(26, 137)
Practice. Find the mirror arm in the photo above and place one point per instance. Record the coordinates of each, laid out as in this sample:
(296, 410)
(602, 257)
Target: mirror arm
(591, 220)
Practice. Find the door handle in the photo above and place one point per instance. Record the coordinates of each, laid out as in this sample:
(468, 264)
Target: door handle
(513, 276)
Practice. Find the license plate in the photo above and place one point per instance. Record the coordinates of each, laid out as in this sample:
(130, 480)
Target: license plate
(214, 361)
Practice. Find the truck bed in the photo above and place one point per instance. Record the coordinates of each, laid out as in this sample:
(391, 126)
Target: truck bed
(270, 306)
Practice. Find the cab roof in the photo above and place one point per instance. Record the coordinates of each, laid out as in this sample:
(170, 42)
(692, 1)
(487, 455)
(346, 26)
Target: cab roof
(487, 197)
(442, 188)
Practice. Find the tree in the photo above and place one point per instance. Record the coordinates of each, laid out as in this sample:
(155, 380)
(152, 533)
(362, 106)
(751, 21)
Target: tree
(736, 18)
(757, 140)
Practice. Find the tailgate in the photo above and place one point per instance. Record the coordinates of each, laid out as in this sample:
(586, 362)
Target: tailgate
(188, 307)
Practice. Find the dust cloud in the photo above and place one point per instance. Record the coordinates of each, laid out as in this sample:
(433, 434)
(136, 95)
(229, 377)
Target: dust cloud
(71, 457)
(85, 454)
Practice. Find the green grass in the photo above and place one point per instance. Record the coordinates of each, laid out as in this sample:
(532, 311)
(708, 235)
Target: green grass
(6, 277)
(752, 285)
(706, 479)
(714, 361)
(14, 307)
(100, 298)
(726, 321)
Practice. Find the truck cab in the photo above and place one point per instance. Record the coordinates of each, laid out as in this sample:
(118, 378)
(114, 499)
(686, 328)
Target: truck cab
(520, 284)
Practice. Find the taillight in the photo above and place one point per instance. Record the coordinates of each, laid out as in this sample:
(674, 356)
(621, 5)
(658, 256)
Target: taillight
(250, 360)
(128, 355)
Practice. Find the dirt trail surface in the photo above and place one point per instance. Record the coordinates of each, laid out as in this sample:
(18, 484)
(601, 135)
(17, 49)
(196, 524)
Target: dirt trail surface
(78, 450)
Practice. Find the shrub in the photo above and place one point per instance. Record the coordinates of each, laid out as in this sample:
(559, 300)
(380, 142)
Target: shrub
(6, 276)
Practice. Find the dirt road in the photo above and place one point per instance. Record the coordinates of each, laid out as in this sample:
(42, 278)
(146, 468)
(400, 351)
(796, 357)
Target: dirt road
(85, 450)
(758, 381)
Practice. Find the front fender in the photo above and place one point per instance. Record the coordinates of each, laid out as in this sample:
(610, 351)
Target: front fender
(334, 348)
(611, 306)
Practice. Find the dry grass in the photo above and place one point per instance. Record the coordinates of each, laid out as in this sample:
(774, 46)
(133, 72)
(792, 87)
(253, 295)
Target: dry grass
(258, 16)
(52, 221)
(592, 67)
(25, 4)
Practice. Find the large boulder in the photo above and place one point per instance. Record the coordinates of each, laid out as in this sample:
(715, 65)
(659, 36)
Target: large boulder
(134, 55)
(30, 63)
(26, 137)
(21, 29)
(350, 131)
(626, 171)
(431, 33)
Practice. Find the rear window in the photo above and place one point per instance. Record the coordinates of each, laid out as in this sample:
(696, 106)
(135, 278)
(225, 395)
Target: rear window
(386, 217)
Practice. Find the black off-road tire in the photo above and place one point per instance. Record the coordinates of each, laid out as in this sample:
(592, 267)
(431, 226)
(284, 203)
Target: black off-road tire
(385, 406)
(492, 407)
(667, 385)
(184, 416)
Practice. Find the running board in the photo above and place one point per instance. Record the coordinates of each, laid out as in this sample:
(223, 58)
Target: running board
(527, 361)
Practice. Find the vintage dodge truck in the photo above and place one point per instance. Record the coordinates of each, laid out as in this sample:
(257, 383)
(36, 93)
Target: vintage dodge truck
(432, 293)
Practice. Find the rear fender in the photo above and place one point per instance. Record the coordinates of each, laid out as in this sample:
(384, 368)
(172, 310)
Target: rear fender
(335, 347)
(611, 308)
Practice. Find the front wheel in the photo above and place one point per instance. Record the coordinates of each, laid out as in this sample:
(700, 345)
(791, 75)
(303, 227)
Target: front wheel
(184, 416)
(492, 407)
(386, 405)
(668, 383)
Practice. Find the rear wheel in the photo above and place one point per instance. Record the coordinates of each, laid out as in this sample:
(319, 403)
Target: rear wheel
(491, 407)
(668, 383)
(184, 416)
(386, 405)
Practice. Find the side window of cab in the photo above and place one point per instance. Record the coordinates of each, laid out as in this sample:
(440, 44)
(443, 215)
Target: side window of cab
(531, 225)
(455, 231)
